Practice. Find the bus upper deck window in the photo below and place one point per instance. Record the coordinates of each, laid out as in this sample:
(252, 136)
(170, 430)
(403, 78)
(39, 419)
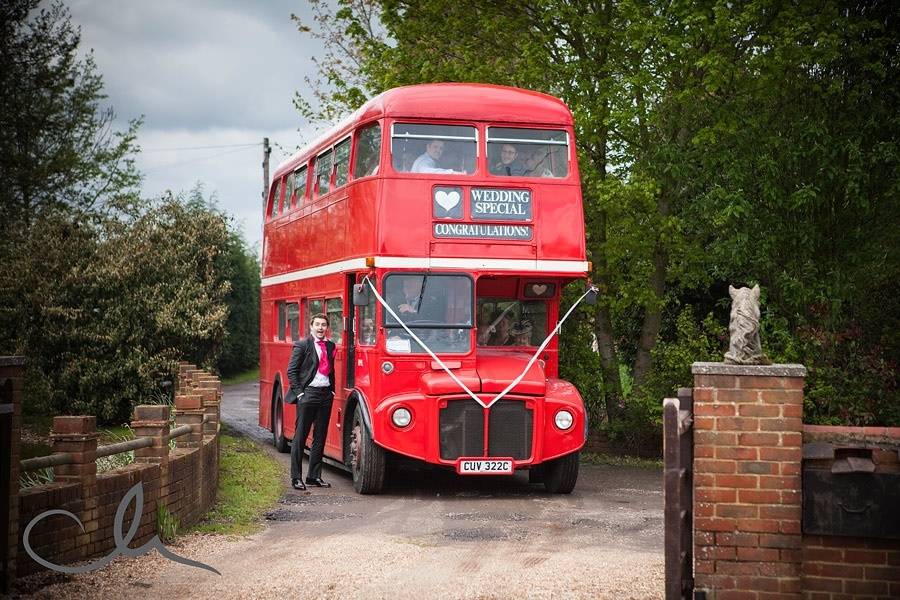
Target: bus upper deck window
(299, 185)
(323, 173)
(368, 151)
(276, 199)
(341, 163)
(519, 152)
(288, 193)
(423, 148)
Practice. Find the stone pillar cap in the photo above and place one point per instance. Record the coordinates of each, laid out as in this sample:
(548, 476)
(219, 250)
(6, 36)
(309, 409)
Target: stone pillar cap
(718, 368)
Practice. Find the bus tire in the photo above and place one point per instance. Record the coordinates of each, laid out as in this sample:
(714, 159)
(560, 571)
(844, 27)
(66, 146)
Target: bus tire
(536, 474)
(367, 459)
(281, 443)
(561, 474)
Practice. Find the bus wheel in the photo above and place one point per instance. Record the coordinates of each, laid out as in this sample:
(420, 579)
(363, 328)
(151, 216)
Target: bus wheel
(281, 443)
(561, 474)
(366, 458)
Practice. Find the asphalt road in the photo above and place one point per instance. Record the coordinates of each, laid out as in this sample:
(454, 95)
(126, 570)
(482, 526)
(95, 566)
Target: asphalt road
(612, 510)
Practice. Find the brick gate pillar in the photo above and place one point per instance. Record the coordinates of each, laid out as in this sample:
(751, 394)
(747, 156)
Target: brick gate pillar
(747, 486)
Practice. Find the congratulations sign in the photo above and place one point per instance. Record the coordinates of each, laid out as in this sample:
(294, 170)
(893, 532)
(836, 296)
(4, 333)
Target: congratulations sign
(491, 204)
(482, 231)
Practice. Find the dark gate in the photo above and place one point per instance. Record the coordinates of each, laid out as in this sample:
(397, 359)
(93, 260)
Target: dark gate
(6, 416)
(678, 452)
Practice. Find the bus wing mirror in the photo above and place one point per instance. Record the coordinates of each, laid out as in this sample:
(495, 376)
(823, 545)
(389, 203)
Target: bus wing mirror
(591, 297)
(360, 295)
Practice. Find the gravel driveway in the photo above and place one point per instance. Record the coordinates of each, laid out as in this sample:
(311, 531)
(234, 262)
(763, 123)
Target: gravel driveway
(430, 535)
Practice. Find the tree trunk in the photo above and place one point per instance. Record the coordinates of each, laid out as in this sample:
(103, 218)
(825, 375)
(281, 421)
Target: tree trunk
(609, 363)
(653, 313)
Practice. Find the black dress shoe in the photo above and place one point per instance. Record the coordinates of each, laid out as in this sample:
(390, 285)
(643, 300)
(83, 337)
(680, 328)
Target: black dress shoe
(317, 482)
(298, 484)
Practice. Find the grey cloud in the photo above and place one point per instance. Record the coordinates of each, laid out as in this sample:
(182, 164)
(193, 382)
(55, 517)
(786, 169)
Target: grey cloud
(200, 64)
(204, 73)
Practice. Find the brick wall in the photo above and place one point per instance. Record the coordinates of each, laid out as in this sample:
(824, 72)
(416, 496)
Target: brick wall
(182, 480)
(748, 457)
(841, 567)
(747, 452)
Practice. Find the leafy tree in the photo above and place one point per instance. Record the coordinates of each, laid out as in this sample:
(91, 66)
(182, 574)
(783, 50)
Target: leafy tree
(718, 142)
(240, 349)
(57, 145)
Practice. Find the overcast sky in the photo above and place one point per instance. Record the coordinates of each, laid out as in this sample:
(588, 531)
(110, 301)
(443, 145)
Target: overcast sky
(204, 73)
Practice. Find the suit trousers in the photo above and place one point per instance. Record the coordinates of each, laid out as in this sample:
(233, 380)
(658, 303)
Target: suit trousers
(314, 407)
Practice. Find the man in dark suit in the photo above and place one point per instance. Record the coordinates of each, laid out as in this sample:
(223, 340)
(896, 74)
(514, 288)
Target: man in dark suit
(509, 164)
(311, 375)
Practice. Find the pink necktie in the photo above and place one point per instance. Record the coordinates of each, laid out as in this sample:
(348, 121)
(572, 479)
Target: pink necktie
(324, 367)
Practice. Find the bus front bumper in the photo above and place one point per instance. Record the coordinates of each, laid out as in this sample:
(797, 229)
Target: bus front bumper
(444, 429)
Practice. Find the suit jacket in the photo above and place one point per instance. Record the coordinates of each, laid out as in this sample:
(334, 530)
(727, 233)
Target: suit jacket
(303, 366)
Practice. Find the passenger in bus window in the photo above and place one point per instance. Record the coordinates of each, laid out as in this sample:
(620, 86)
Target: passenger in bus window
(484, 328)
(521, 333)
(429, 160)
(536, 165)
(509, 164)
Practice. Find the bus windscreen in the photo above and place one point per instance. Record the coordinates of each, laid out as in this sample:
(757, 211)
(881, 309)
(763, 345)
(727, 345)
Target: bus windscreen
(437, 308)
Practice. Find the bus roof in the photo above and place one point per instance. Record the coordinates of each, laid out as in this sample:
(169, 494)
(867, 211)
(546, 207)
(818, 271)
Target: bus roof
(450, 101)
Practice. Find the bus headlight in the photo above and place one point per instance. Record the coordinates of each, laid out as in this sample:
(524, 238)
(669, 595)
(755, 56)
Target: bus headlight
(563, 419)
(401, 417)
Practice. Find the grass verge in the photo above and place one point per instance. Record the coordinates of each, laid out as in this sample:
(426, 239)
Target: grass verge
(244, 377)
(594, 458)
(250, 482)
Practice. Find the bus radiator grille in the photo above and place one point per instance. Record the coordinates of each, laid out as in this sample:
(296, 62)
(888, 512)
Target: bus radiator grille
(462, 429)
(510, 429)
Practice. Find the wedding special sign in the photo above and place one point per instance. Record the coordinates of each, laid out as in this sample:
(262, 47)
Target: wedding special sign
(485, 204)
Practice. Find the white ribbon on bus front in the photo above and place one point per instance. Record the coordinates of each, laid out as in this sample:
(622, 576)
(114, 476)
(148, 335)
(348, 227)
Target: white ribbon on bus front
(462, 385)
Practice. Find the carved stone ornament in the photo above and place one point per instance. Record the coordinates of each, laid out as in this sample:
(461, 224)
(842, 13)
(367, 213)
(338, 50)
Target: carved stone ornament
(744, 348)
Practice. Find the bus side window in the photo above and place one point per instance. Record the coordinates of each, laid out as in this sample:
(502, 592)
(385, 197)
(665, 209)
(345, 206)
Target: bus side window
(299, 186)
(293, 319)
(335, 320)
(276, 198)
(282, 319)
(323, 174)
(341, 163)
(366, 324)
(313, 307)
(368, 151)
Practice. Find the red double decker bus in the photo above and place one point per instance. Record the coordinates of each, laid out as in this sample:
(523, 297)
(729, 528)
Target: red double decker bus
(436, 228)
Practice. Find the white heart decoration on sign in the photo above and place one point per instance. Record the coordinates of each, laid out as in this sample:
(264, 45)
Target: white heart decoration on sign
(539, 289)
(447, 200)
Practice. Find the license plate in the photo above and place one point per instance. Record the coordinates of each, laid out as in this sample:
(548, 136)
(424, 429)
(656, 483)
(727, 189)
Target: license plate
(485, 466)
